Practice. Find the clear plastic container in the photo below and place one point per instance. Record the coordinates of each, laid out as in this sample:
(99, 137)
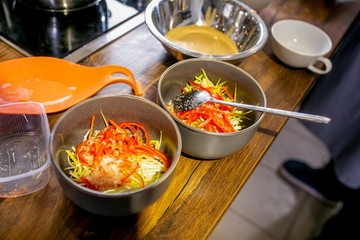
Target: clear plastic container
(24, 154)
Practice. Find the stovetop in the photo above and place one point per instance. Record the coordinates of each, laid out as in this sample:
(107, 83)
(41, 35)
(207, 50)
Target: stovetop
(71, 36)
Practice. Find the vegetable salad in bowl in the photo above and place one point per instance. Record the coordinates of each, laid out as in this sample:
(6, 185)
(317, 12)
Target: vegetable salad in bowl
(210, 130)
(120, 157)
(115, 155)
(210, 116)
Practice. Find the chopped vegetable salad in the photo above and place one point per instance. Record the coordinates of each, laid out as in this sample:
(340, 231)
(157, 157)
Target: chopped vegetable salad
(210, 116)
(118, 158)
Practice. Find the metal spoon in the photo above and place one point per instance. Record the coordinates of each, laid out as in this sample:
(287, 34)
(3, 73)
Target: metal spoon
(192, 99)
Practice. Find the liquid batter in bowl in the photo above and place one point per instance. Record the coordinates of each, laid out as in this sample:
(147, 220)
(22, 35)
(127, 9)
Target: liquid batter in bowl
(203, 39)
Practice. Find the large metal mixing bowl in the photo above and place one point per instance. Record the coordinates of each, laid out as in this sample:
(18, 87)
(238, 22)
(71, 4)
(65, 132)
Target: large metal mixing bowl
(244, 26)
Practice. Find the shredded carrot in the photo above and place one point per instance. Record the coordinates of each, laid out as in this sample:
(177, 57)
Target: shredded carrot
(91, 126)
(114, 156)
(209, 116)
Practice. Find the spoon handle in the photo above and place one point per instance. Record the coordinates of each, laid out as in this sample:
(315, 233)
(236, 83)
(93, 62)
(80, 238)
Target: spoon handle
(303, 116)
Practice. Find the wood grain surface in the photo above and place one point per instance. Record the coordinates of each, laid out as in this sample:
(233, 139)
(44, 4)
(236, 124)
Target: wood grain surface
(201, 190)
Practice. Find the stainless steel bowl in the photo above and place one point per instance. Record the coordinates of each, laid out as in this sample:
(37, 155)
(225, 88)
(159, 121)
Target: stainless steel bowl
(203, 144)
(245, 26)
(69, 131)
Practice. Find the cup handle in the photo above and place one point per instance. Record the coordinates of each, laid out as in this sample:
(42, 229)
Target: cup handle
(327, 63)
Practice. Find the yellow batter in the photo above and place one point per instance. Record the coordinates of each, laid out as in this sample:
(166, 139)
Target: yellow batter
(202, 39)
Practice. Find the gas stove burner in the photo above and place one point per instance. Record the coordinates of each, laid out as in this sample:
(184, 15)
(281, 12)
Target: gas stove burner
(70, 35)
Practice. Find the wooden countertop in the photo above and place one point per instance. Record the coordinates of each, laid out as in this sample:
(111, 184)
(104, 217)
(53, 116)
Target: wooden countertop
(201, 191)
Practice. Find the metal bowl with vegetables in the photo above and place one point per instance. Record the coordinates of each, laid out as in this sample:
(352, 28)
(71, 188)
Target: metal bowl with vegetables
(211, 130)
(114, 155)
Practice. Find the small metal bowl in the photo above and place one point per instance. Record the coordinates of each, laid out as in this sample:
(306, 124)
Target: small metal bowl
(203, 144)
(244, 26)
(69, 131)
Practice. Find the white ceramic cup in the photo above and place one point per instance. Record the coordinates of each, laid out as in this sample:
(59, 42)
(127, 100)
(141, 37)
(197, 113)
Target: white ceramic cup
(301, 45)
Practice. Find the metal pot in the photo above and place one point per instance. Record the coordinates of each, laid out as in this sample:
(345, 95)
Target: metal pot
(56, 34)
(59, 5)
